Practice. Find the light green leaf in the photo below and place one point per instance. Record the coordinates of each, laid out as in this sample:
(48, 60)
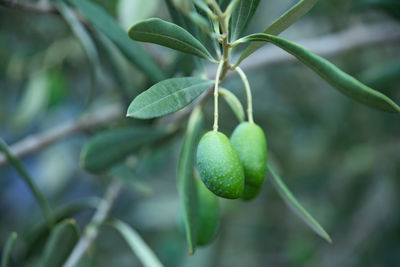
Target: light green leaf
(130, 11)
(185, 181)
(60, 244)
(137, 244)
(84, 38)
(108, 26)
(111, 147)
(168, 34)
(233, 103)
(345, 83)
(167, 97)
(34, 99)
(282, 23)
(7, 251)
(241, 17)
(292, 202)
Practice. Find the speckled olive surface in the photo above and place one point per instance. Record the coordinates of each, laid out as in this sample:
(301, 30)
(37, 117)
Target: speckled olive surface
(219, 165)
(250, 144)
(207, 214)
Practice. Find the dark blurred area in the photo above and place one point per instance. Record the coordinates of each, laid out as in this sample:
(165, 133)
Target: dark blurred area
(341, 159)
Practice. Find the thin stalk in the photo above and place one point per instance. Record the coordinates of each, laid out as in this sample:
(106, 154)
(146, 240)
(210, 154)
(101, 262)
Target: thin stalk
(91, 230)
(217, 77)
(44, 205)
(248, 94)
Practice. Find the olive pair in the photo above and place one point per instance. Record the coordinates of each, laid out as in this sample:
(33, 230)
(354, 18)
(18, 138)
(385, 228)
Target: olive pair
(236, 167)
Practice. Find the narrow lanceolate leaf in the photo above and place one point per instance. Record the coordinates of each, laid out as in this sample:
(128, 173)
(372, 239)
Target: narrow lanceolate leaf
(84, 38)
(168, 34)
(111, 147)
(109, 27)
(345, 83)
(62, 240)
(44, 205)
(137, 245)
(186, 183)
(282, 23)
(241, 17)
(7, 251)
(233, 103)
(167, 97)
(292, 202)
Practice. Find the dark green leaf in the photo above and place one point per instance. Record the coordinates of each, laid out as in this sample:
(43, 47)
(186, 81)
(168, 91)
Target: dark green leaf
(345, 83)
(241, 17)
(185, 181)
(167, 97)
(168, 34)
(107, 25)
(110, 147)
(137, 245)
(62, 240)
(8, 249)
(84, 38)
(38, 233)
(282, 23)
(292, 202)
(233, 103)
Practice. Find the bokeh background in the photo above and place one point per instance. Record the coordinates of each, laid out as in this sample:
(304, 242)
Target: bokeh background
(341, 159)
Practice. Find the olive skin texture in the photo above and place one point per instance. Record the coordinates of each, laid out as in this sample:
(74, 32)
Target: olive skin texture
(207, 214)
(250, 144)
(219, 165)
(251, 191)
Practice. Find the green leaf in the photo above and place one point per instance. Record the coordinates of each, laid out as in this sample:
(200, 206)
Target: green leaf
(111, 147)
(38, 233)
(167, 97)
(137, 245)
(62, 240)
(44, 205)
(108, 26)
(282, 23)
(345, 83)
(84, 38)
(233, 103)
(292, 202)
(168, 34)
(241, 17)
(7, 251)
(185, 180)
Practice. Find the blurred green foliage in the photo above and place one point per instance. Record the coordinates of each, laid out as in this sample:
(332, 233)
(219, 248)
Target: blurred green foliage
(340, 158)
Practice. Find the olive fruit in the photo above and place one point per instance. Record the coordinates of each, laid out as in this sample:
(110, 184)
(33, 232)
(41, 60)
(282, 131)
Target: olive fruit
(219, 165)
(249, 141)
(207, 214)
(251, 191)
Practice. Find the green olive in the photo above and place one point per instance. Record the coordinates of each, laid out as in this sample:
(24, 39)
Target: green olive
(251, 191)
(249, 141)
(207, 214)
(219, 165)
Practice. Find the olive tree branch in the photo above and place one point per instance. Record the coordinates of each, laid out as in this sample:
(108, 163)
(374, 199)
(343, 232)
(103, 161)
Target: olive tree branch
(41, 140)
(92, 228)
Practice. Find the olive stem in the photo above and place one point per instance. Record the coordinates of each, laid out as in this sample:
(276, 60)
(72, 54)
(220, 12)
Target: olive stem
(221, 64)
(248, 94)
